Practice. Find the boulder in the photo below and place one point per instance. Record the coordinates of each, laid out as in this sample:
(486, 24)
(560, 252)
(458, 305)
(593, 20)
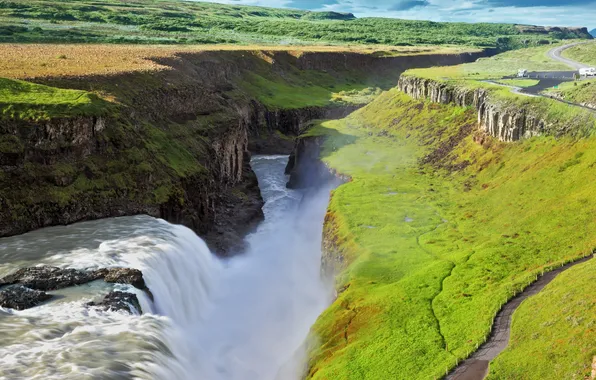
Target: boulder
(129, 276)
(52, 278)
(20, 297)
(119, 301)
(48, 278)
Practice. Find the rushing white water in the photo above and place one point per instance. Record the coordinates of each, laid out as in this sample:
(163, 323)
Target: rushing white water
(242, 319)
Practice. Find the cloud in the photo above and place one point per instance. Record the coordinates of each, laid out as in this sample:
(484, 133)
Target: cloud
(408, 4)
(537, 12)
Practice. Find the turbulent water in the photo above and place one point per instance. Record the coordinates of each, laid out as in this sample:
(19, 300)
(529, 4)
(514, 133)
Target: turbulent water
(242, 319)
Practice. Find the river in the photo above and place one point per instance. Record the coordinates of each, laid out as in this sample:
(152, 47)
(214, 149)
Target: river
(245, 318)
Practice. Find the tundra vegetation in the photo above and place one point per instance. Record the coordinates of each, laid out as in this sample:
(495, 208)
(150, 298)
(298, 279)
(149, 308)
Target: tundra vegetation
(438, 227)
(177, 22)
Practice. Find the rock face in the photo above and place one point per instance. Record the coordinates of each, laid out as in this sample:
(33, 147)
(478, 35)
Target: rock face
(579, 32)
(498, 120)
(20, 297)
(307, 171)
(119, 301)
(176, 146)
(305, 167)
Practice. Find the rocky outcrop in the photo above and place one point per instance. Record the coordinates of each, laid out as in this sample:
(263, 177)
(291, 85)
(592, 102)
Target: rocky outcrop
(53, 278)
(119, 302)
(578, 32)
(305, 166)
(26, 286)
(498, 119)
(270, 128)
(49, 278)
(20, 297)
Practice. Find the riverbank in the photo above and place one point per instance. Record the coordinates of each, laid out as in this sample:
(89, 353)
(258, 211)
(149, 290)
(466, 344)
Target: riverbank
(439, 225)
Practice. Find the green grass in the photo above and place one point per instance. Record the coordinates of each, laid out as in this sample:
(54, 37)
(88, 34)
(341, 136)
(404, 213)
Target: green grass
(553, 332)
(582, 92)
(584, 53)
(563, 118)
(437, 231)
(24, 100)
(519, 82)
(186, 22)
(310, 88)
(498, 66)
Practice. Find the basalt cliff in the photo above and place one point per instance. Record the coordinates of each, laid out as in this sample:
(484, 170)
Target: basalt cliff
(173, 143)
(497, 116)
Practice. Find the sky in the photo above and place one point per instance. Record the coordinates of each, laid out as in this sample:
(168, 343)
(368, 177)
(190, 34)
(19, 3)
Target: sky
(535, 12)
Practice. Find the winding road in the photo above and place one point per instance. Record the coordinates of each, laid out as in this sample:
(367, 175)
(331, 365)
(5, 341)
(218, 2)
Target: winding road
(555, 54)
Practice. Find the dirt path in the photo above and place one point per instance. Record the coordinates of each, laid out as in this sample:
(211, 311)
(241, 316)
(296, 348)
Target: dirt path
(476, 366)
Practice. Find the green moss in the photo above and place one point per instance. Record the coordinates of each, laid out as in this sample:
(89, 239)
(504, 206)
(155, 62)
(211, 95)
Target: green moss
(162, 194)
(577, 92)
(29, 101)
(438, 232)
(11, 144)
(296, 88)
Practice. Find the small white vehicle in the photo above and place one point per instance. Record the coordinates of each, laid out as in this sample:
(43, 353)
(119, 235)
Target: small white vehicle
(522, 73)
(587, 72)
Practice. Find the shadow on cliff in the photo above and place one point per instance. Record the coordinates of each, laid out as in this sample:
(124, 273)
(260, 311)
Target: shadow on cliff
(305, 166)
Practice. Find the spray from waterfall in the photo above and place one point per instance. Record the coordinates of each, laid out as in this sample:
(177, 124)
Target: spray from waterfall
(255, 313)
(246, 318)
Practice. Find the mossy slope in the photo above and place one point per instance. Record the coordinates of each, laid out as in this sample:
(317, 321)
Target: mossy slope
(24, 100)
(440, 226)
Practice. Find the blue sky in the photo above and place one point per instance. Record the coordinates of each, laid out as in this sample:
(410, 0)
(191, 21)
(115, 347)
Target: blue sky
(538, 12)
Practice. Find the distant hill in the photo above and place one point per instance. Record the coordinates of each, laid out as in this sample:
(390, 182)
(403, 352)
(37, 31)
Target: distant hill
(556, 31)
(190, 22)
(593, 32)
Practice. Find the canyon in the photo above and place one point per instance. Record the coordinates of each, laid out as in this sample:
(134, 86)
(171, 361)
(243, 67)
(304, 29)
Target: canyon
(174, 143)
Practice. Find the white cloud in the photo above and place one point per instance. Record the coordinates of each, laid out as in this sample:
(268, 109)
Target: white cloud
(453, 10)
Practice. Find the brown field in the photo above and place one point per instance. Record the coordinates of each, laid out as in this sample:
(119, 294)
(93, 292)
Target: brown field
(22, 61)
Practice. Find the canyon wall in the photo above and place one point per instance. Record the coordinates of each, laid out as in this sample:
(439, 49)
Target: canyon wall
(498, 119)
(177, 147)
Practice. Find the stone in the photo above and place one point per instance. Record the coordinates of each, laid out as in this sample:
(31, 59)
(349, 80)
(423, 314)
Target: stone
(20, 297)
(129, 276)
(52, 278)
(119, 301)
(48, 278)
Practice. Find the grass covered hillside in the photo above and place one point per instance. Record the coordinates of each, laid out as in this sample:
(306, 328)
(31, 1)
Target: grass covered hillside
(438, 227)
(483, 74)
(585, 53)
(24, 100)
(190, 22)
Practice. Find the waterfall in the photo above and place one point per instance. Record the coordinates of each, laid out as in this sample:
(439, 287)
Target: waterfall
(250, 315)
(243, 318)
